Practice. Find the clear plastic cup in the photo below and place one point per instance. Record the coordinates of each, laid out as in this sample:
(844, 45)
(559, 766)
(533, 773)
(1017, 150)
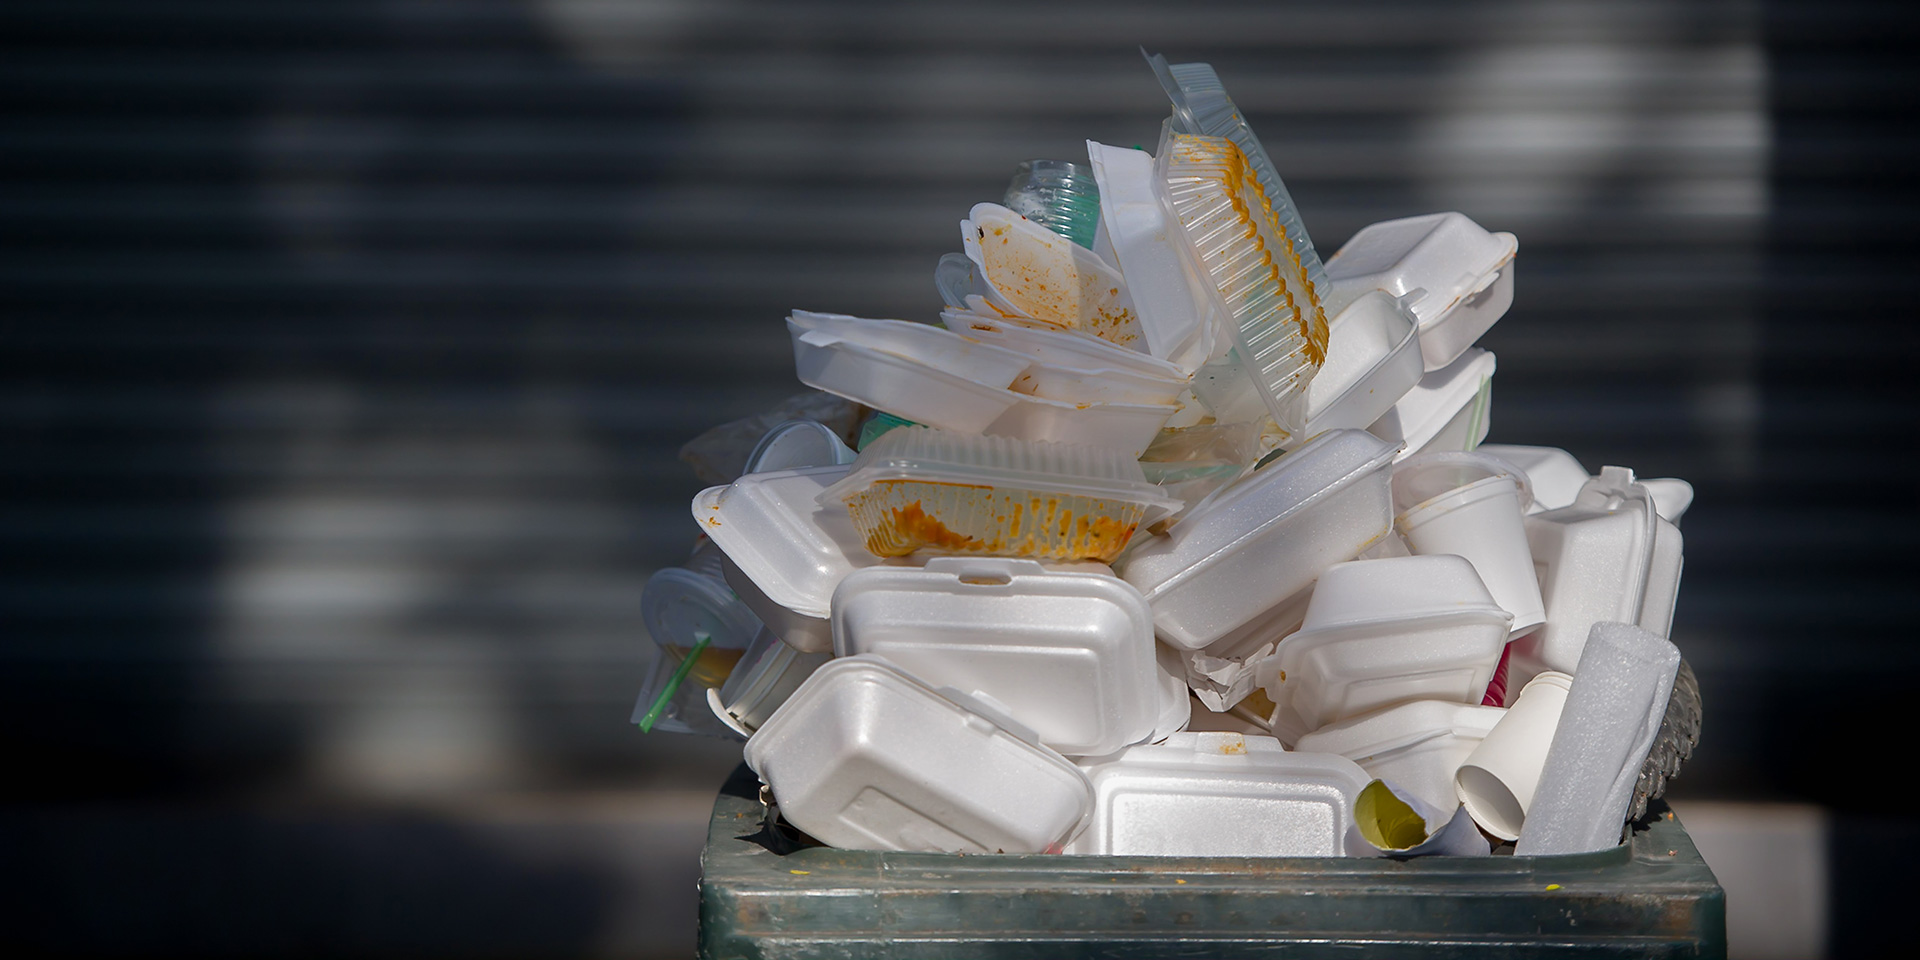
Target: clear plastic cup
(1058, 195)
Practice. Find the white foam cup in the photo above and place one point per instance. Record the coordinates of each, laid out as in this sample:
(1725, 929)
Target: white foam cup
(1497, 781)
(1472, 506)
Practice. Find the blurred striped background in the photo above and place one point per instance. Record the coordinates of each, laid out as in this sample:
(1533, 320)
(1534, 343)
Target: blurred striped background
(347, 347)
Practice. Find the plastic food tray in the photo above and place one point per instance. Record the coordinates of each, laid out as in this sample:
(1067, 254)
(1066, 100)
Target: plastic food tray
(1069, 654)
(1220, 794)
(1230, 236)
(1266, 537)
(1201, 106)
(916, 488)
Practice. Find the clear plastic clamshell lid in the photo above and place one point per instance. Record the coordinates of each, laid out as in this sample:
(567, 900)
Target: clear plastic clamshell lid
(917, 488)
(1201, 106)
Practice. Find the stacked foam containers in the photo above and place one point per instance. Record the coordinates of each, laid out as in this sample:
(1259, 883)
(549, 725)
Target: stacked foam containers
(990, 632)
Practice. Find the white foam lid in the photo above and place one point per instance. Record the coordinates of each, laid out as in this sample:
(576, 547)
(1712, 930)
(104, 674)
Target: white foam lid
(1440, 258)
(774, 529)
(866, 756)
(1070, 655)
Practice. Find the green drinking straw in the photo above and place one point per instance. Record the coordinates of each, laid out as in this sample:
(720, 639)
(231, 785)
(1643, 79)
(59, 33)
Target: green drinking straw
(700, 641)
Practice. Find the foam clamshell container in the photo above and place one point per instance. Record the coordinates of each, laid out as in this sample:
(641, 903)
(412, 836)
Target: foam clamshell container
(1220, 794)
(1265, 537)
(1069, 654)
(1449, 409)
(1455, 275)
(1609, 556)
(785, 552)
(864, 756)
(1381, 632)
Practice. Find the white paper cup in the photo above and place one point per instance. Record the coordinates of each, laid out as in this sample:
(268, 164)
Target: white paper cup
(1497, 781)
(1473, 506)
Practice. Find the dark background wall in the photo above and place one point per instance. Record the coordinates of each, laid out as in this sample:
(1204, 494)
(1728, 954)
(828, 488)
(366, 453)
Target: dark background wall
(345, 349)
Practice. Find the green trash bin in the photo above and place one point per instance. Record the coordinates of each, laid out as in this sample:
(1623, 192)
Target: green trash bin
(760, 897)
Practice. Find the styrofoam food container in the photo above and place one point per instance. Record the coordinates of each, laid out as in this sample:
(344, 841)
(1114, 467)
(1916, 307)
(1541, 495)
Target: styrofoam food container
(1222, 673)
(795, 444)
(1069, 654)
(1373, 359)
(916, 488)
(1381, 632)
(1449, 409)
(785, 551)
(1214, 794)
(1609, 556)
(1418, 746)
(1032, 272)
(1455, 276)
(1233, 241)
(1080, 385)
(1176, 317)
(930, 345)
(1497, 781)
(1263, 538)
(958, 278)
(1671, 497)
(866, 757)
(766, 676)
(1554, 475)
(903, 386)
(1474, 506)
(1126, 427)
(1054, 346)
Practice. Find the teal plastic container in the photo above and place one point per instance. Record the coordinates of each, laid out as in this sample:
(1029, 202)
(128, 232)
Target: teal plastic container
(762, 898)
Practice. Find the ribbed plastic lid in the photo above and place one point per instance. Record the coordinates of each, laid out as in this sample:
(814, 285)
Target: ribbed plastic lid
(923, 453)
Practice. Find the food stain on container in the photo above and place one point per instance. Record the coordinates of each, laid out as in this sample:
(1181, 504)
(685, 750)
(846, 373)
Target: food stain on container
(898, 517)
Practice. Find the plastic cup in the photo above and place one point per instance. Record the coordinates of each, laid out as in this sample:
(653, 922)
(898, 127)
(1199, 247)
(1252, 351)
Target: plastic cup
(1473, 506)
(1497, 781)
(1058, 195)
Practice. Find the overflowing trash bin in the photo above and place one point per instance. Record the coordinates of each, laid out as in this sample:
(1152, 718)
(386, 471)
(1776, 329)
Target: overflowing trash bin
(1166, 579)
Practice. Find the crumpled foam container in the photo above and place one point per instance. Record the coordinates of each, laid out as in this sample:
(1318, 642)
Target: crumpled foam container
(1456, 277)
(1610, 556)
(1071, 655)
(916, 488)
(1449, 409)
(1220, 795)
(1373, 359)
(1418, 746)
(1381, 632)
(1614, 708)
(1265, 537)
(866, 757)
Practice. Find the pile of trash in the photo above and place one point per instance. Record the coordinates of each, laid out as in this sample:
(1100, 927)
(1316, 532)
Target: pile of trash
(1172, 540)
